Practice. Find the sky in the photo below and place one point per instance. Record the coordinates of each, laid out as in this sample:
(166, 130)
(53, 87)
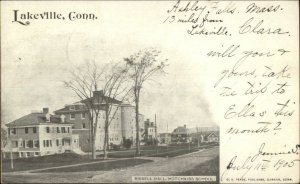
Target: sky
(36, 59)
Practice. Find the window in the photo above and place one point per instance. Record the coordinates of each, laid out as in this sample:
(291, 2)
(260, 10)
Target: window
(14, 144)
(36, 143)
(72, 116)
(13, 131)
(29, 144)
(47, 143)
(72, 107)
(57, 142)
(34, 129)
(28, 154)
(26, 130)
(83, 115)
(24, 144)
(58, 129)
(48, 129)
(68, 129)
(50, 143)
(63, 129)
(44, 143)
(36, 153)
(83, 125)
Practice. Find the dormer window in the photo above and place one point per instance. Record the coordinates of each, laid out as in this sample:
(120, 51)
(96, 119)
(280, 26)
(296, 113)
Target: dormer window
(72, 107)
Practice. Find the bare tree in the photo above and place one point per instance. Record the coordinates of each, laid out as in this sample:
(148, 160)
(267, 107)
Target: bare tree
(98, 90)
(144, 66)
(84, 80)
(115, 86)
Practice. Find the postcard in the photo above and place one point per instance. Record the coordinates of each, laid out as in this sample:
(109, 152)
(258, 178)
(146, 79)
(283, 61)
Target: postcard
(150, 91)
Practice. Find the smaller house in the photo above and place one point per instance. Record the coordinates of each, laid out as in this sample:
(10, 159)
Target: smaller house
(212, 137)
(180, 135)
(205, 137)
(150, 135)
(38, 134)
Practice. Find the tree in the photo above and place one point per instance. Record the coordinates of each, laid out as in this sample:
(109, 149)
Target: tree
(115, 86)
(84, 81)
(144, 66)
(111, 79)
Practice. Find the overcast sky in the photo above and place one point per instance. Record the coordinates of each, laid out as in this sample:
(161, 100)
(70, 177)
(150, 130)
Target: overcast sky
(38, 56)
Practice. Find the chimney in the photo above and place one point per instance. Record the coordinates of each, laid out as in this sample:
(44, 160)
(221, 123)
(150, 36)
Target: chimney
(98, 93)
(45, 110)
(184, 126)
(62, 117)
(48, 117)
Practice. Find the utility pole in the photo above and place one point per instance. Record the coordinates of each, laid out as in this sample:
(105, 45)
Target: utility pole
(167, 136)
(198, 137)
(11, 156)
(155, 126)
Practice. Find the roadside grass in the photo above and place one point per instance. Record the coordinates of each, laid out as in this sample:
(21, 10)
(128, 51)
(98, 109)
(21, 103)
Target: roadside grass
(23, 164)
(102, 166)
(208, 168)
(158, 151)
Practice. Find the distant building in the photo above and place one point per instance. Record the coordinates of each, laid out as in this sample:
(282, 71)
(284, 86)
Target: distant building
(122, 126)
(164, 138)
(205, 134)
(40, 133)
(180, 135)
(150, 132)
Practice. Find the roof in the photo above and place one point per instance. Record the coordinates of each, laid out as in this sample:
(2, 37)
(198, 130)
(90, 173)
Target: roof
(164, 134)
(102, 99)
(206, 134)
(180, 130)
(78, 108)
(203, 129)
(36, 119)
(81, 107)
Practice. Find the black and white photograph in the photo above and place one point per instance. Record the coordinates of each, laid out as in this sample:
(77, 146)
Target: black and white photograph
(149, 92)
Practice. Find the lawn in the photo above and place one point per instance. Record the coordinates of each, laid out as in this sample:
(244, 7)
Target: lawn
(23, 164)
(158, 151)
(102, 166)
(209, 168)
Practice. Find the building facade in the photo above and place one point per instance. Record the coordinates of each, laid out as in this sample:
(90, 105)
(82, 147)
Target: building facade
(39, 134)
(122, 122)
(180, 135)
(150, 135)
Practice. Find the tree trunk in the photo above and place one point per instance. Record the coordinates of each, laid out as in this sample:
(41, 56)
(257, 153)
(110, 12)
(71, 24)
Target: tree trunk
(138, 152)
(94, 136)
(94, 144)
(105, 135)
(91, 136)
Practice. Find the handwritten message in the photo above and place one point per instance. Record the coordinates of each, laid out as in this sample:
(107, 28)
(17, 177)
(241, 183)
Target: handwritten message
(256, 83)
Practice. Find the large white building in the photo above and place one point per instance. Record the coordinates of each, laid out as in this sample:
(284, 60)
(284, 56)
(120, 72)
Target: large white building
(122, 125)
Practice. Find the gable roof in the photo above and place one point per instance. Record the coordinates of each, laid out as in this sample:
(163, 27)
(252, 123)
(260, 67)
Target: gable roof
(36, 119)
(180, 130)
(206, 134)
(81, 107)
